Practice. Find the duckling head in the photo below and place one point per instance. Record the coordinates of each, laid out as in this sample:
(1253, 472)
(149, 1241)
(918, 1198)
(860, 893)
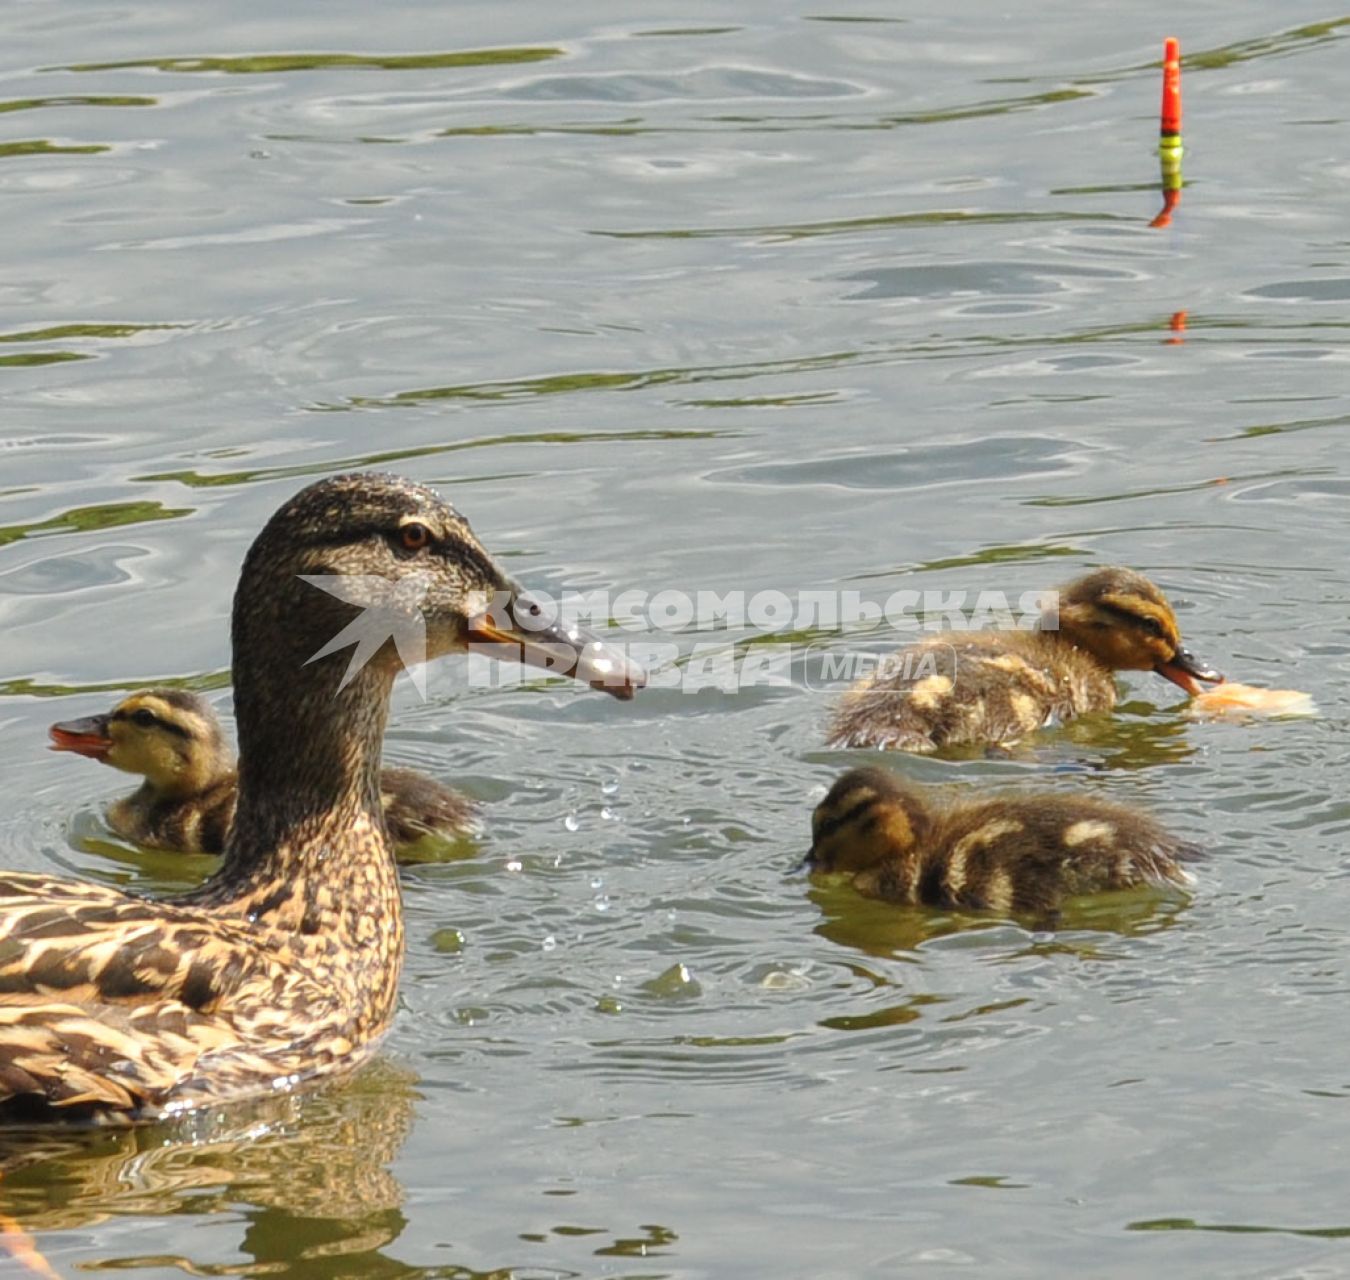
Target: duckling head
(169, 736)
(868, 817)
(1125, 622)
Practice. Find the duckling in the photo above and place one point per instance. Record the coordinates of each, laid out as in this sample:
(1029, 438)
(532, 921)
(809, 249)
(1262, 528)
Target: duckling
(1011, 854)
(174, 740)
(994, 687)
(283, 966)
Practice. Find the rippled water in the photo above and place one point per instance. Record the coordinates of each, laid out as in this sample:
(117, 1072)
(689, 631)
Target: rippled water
(730, 298)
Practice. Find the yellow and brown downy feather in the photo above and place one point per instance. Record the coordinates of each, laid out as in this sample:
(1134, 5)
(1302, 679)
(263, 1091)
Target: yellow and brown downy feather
(994, 687)
(1011, 854)
(185, 804)
(284, 965)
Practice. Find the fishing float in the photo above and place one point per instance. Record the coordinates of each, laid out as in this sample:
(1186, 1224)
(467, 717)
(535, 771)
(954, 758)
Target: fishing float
(1169, 132)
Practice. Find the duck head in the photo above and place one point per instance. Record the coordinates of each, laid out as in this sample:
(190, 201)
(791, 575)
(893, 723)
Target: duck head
(388, 569)
(1125, 622)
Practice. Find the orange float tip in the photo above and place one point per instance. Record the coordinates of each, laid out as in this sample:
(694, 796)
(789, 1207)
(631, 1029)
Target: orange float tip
(1171, 90)
(1171, 198)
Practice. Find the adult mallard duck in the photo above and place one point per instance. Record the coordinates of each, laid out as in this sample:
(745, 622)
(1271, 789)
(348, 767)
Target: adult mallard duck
(997, 686)
(283, 966)
(173, 740)
(1017, 854)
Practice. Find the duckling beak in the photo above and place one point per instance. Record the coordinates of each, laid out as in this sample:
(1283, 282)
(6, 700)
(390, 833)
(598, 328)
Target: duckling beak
(1185, 669)
(87, 737)
(561, 648)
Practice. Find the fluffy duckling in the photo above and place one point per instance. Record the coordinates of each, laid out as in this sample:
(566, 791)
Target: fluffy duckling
(997, 686)
(1011, 854)
(283, 966)
(173, 739)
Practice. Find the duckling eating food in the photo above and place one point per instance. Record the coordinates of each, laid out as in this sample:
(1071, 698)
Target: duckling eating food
(284, 965)
(173, 739)
(1011, 854)
(997, 686)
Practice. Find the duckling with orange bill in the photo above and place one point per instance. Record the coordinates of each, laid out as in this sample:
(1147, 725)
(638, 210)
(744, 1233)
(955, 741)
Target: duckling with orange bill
(173, 739)
(994, 687)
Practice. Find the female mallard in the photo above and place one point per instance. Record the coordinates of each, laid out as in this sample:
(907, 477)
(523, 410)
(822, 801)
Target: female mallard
(284, 964)
(998, 686)
(173, 739)
(1012, 854)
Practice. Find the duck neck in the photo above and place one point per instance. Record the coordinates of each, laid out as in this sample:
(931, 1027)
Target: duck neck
(308, 847)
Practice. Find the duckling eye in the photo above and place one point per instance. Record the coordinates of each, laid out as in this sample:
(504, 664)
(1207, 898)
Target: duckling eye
(414, 536)
(1153, 627)
(143, 717)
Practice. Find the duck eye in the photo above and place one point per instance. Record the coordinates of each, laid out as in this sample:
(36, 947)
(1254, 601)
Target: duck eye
(143, 717)
(1153, 627)
(414, 536)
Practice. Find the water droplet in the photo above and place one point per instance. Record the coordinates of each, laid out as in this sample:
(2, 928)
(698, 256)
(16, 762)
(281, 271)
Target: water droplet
(448, 942)
(608, 815)
(609, 787)
(676, 981)
(597, 882)
(514, 864)
(602, 903)
(572, 822)
(550, 942)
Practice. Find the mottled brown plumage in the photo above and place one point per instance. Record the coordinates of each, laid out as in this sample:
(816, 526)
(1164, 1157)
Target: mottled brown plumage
(997, 686)
(185, 804)
(1015, 854)
(284, 965)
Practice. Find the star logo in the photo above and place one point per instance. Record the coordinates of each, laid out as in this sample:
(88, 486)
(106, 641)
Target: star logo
(391, 609)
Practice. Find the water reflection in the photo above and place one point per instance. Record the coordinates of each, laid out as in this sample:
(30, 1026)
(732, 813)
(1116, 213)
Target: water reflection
(1127, 741)
(109, 515)
(307, 1176)
(277, 63)
(888, 931)
(388, 457)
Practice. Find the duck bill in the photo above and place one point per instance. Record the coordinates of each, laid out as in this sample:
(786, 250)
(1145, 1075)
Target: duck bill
(518, 632)
(87, 737)
(1187, 671)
